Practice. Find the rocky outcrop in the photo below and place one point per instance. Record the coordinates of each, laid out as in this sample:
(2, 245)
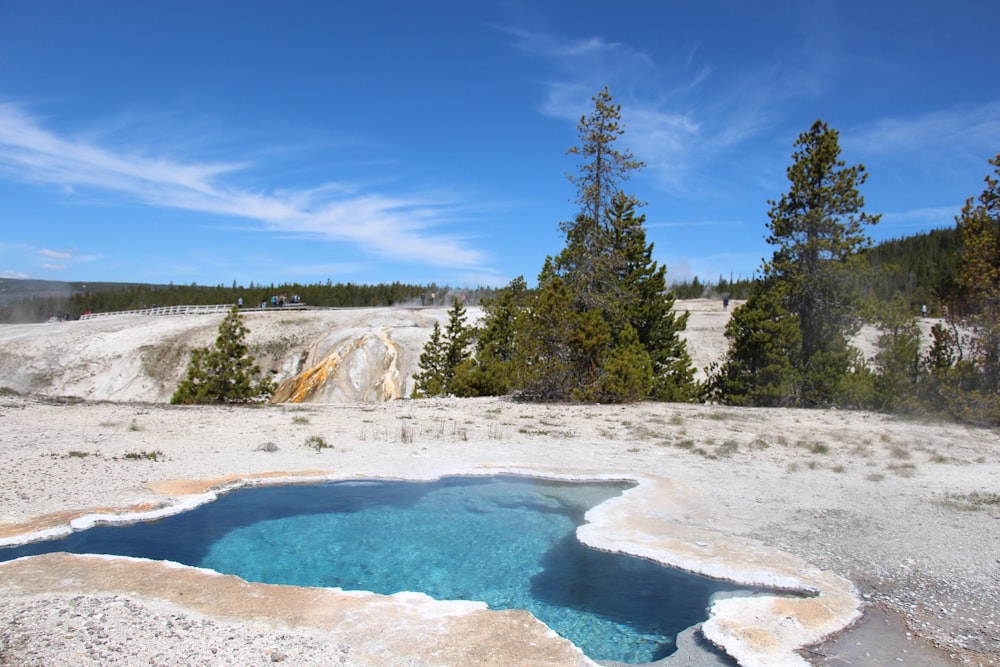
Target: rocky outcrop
(334, 355)
(362, 368)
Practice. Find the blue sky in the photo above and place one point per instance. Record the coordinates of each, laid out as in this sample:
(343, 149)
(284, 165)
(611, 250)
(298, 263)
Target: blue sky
(212, 142)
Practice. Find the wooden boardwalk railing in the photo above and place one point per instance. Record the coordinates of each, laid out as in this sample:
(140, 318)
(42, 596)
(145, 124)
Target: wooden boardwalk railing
(163, 310)
(190, 310)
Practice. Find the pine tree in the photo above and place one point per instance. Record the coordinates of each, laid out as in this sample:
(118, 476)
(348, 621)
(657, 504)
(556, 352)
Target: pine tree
(430, 379)
(545, 365)
(225, 373)
(587, 263)
(490, 371)
(626, 374)
(897, 359)
(607, 266)
(443, 356)
(458, 338)
(646, 306)
(764, 338)
(813, 282)
(979, 276)
(819, 228)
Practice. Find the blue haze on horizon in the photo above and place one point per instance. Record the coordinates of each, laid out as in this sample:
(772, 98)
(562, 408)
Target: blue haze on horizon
(208, 143)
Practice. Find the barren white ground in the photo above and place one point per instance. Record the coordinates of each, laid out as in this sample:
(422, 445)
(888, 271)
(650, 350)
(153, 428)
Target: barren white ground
(848, 503)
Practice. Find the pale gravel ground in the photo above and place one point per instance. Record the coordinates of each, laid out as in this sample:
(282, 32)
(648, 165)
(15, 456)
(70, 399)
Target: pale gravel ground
(862, 495)
(116, 631)
(872, 506)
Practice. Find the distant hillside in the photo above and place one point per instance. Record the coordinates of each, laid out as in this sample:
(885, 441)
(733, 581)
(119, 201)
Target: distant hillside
(14, 289)
(40, 300)
(921, 268)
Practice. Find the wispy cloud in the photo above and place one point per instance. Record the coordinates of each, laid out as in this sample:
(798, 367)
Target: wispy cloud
(934, 217)
(681, 116)
(61, 260)
(8, 273)
(970, 130)
(54, 254)
(390, 226)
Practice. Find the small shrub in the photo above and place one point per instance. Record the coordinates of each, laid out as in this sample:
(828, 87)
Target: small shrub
(685, 444)
(972, 501)
(898, 452)
(155, 455)
(819, 448)
(903, 469)
(300, 420)
(267, 447)
(317, 443)
(875, 477)
(728, 448)
(134, 426)
(861, 449)
(76, 454)
(839, 469)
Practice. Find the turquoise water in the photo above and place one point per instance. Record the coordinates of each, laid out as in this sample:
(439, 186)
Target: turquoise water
(507, 541)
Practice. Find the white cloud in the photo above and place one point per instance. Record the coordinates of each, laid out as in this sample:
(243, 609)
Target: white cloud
(936, 216)
(971, 129)
(10, 273)
(393, 227)
(54, 254)
(680, 116)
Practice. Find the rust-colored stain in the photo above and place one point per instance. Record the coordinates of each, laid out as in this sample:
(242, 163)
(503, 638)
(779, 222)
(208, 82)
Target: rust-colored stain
(314, 382)
(187, 487)
(56, 519)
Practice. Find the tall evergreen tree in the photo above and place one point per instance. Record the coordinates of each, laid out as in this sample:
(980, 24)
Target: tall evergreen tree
(490, 371)
(545, 363)
(764, 339)
(587, 263)
(979, 276)
(814, 276)
(646, 305)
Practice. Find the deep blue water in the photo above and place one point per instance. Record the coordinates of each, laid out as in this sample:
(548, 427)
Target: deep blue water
(508, 541)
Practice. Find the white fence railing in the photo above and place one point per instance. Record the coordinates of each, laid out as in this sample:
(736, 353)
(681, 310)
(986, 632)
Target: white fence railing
(163, 310)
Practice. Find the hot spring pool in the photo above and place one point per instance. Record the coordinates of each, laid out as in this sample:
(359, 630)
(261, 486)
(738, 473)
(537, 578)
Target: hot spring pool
(507, 541)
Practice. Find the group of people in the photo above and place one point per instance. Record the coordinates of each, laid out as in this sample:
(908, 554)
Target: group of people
(275, 301)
